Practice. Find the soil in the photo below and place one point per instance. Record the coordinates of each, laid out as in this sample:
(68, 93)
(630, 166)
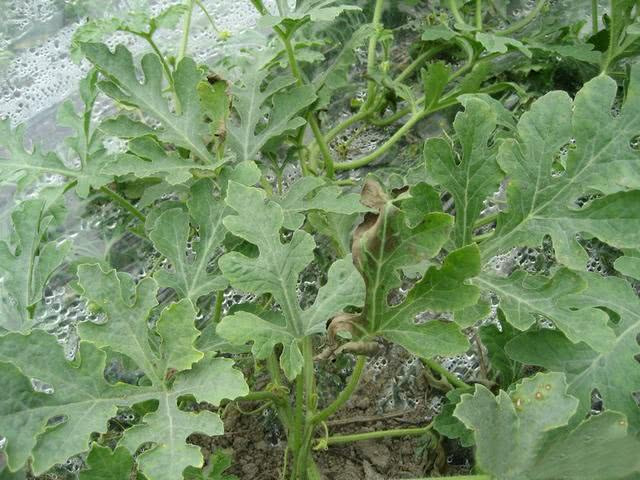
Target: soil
(393, 393)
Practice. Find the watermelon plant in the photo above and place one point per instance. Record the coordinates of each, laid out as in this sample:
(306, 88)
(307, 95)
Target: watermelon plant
(505, 131)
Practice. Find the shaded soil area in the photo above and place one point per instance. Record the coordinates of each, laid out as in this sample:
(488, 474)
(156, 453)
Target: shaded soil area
(394, 393)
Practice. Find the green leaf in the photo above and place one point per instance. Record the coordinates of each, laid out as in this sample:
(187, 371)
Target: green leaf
(219, 462)
(495, 341)
(384, 244)
(524, 297)
(107, 464)
(336, 75)
(450, 426)
(192, 277)
(254, 99)
(22, 165)
(87, 144)
(147, 159)
(275, 271)
(126, 330)
(518, 435)
(472, 175)
(76, 390)
(216, 105)
(438, 32)
(336, 227)
(615, 373)
(313, 193)
(500, 44)
(210, 380)
(434, 80)
(178, 332)
(139, 23)
(584, 52)
(127, 308)
(314, 10)
(628, 265)
(541, 202)
(27, 266)
(186, 129)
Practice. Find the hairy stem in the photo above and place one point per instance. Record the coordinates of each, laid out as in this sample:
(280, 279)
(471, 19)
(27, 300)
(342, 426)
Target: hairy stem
(322, 145)
(124, 203)
(371, 54)
(358, 437)
(479, 14)
(185, 32)
(594, 17)
(345, 394)
(444, 373)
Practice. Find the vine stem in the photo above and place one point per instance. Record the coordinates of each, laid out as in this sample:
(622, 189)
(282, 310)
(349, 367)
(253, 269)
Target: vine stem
(456, 13)
(443, 372)
(420, 59)
(185, 33)
(371, 54)
(344, 395)
(359, 437)
(311, 118)
(594, 17)
(479, 15)
(124, 203)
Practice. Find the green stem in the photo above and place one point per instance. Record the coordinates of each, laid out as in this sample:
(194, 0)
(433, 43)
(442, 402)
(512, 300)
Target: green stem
(456, 13)
(594, 17)
(514, 27)
(163, 61)
(420, 59)
(371, 54)
(345, 394)
(259, 6)
(479, 15)
(367, 159)
(308, 372)
(124, 203)
(444, 373)
(206, 13)
(217, 313)
(322, 145)
(359, 437)
(481, 222)
(288, 46)
(298, 418)
(274, 369)
(261, 397)
(483, 237)
(185, 32)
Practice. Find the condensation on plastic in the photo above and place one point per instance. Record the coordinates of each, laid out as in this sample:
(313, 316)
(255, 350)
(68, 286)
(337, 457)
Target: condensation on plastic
(36, 72)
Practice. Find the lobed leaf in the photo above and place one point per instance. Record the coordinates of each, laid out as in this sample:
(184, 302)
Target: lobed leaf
(275, 271)
(185, 129)
(472, 175)
(253, 100)
(385, 243)
(27, 266)
(519, 434)
(614, 373)
(541, 202)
